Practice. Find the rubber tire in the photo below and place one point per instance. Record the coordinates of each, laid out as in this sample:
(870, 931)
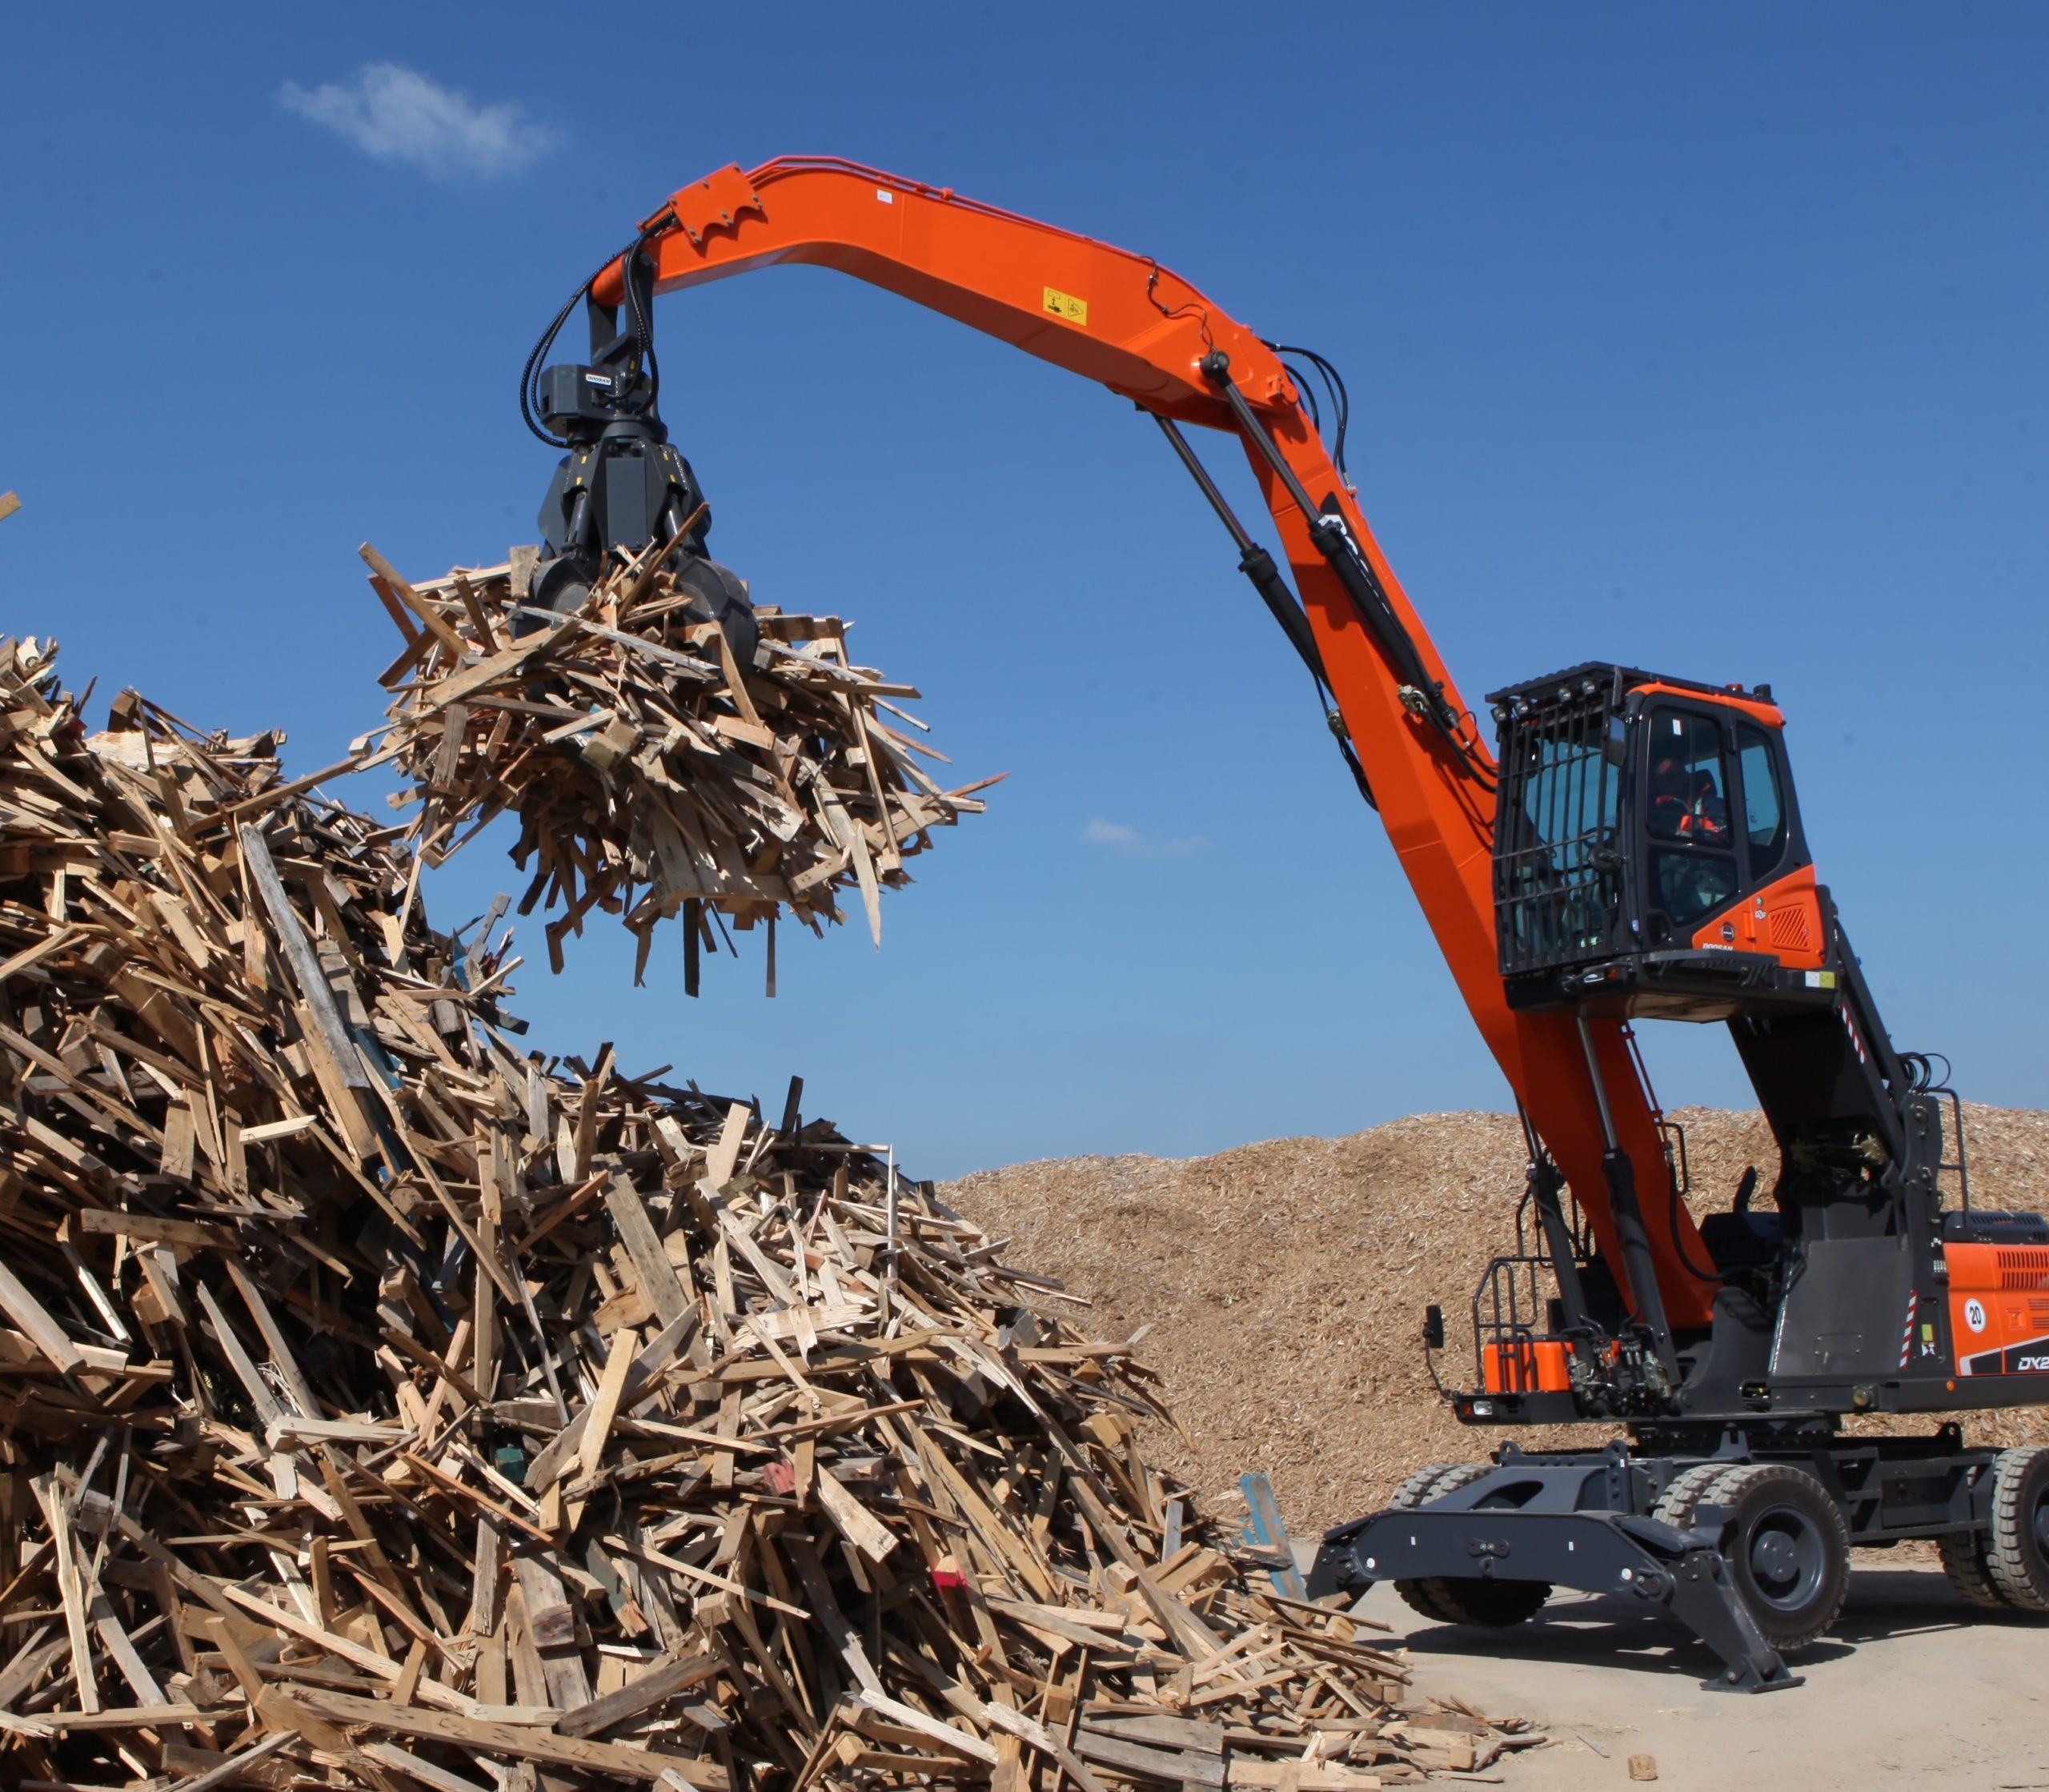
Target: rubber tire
(1423, 1598)
(1756, 1493)
(1419, 1489)
(1682, 1494)
(1493, 1604)
(1425, 1484)
(1967, 1561)
(2017, 1551)
(1466, 1600)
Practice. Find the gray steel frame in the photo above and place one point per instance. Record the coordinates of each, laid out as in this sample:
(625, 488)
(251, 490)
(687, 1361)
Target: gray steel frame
(1583, 1519)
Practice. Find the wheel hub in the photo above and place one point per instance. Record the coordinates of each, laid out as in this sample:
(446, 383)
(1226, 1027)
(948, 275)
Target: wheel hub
(1786, 1558)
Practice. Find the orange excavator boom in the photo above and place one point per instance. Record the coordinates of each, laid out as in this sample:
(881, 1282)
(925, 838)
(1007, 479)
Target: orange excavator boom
(1125, 322)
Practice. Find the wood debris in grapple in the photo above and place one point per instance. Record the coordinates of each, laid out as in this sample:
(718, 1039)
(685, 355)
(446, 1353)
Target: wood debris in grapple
(651, 773)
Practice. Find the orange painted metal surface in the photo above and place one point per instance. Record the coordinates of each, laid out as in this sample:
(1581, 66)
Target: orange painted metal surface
(1783, 918)
(1999, 1308)
(1756, 708)
(1532, 1368)
(1139, 329)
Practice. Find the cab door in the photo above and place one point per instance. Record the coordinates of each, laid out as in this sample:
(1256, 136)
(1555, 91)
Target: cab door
(1692, 867)
(1781, 910)
(1723, 863)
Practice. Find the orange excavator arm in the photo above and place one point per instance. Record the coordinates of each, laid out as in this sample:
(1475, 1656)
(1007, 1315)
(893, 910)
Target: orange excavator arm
(1125, 322)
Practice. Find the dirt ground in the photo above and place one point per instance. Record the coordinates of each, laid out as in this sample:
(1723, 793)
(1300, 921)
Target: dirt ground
(1911, 1688)
(1283, 1284)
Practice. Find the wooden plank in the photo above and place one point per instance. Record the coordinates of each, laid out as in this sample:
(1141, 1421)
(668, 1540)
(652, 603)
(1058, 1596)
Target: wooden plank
(268, 1412)
(155, 1228)
(604, 1404)
(1173, 1767)
(960, 1741)
(386, 580)
(659, 1285)
(1298, 1776)
(427, 1773)
(854, 1521)
(275, 1129)
(1015, 1723)
(549, 1614)
(1264, 1530)
(300, 958)
(641, 1694)
(29, 1313)
(1160, 1732)
(484, 1736)
(237, 1765)
(56, 1515)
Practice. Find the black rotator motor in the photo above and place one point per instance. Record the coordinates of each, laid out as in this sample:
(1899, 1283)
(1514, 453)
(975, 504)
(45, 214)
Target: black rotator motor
(622, 484)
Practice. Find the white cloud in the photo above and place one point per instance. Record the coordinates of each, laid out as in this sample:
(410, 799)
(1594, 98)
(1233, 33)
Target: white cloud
(1133, 844)
(397, 115)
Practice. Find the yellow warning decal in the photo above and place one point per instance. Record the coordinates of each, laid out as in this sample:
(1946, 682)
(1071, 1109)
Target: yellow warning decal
(1066, 305)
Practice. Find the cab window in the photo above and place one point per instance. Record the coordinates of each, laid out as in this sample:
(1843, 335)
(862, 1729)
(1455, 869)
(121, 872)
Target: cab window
(1693, 871)
(1688, 784)
(1764, 809)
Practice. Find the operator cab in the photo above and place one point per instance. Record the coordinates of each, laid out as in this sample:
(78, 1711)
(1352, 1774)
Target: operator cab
(1648, 855)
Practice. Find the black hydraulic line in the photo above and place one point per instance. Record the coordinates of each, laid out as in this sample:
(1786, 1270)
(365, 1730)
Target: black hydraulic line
(1259, 568)
(641, 321)
(1308, 395)
(1341, 399)
(1620, 1175)
(1334, 540)
(1545, 1180)
(1679, 1244)
(1254, 562)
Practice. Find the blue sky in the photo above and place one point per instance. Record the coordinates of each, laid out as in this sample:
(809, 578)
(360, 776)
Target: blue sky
(1711, 340)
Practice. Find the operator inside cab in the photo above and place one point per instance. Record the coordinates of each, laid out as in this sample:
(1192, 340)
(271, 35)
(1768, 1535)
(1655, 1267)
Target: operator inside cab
(1686, 802)
(1694, 874)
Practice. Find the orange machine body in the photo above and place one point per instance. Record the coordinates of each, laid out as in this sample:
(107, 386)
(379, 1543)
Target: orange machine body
(1782, 918)
(1124, 320)
(1999, 1298)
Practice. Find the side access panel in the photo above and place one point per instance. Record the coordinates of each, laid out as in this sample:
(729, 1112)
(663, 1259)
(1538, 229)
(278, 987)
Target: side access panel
(1851, 1313)
(1999, 1302)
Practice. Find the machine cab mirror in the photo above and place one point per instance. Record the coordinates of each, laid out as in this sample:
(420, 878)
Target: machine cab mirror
(1433, 1327)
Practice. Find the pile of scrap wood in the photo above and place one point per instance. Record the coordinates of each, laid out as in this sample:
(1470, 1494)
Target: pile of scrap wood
(383, 1405)
(651, 772)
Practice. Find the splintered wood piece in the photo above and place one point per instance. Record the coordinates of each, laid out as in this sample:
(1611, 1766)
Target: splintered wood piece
(854, 1521)
(642, 1693)
(69, 1585)
(659, 1285)
(484, 1737)
(33, 1318)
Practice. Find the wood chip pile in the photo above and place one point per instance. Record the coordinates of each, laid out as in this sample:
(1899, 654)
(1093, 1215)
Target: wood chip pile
(651, 773)
(383, 1406)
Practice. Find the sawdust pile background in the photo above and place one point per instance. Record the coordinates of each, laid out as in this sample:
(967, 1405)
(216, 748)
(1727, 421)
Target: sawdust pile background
(1285, 1281)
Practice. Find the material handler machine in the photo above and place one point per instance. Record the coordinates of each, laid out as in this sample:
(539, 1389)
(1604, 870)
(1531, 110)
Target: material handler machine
(1630, 848)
